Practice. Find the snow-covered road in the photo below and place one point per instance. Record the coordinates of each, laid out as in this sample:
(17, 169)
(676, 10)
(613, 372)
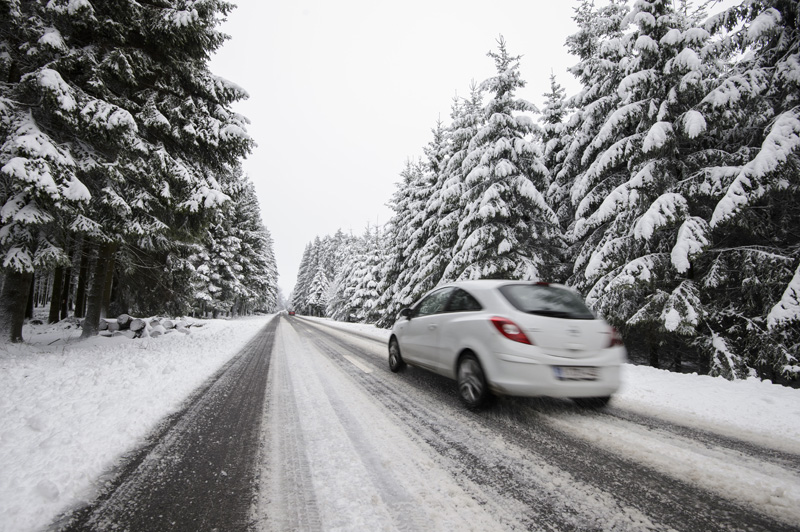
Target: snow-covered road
(341, 443)
(351, 446)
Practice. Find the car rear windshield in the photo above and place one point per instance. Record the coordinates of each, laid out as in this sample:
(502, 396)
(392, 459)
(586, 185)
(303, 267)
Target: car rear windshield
(546, 300)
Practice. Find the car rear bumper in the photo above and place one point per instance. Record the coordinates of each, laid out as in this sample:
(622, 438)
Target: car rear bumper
(510, 374)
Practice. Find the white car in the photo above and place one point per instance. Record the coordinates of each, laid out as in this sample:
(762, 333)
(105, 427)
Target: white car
(510, 338)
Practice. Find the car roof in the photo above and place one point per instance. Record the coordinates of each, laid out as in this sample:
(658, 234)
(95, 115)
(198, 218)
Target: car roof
(487, 284)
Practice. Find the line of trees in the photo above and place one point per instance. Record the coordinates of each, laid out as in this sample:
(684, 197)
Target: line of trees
(667, 191)
(120, 177)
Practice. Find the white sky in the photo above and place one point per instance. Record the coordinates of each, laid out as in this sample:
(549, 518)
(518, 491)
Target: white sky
(343, 93)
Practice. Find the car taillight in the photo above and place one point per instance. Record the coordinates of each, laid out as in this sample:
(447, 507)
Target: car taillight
(616, 338)
(510, 330)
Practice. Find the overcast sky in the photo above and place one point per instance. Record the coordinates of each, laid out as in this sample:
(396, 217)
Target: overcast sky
(343, 92)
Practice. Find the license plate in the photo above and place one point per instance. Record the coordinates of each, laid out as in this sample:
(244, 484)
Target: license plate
(576, 373)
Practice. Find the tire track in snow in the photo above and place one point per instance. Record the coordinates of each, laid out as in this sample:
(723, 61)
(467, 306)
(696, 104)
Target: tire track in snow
(671, 502)
(287, 494)
(783, 459)
(365, 481)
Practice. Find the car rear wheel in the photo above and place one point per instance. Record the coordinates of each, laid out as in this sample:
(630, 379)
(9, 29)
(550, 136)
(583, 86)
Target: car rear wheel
(472, 387)
(396, 362)
(591, 403)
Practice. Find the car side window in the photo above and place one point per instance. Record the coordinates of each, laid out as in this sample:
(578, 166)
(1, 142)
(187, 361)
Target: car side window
(461, 301)
(433, 304)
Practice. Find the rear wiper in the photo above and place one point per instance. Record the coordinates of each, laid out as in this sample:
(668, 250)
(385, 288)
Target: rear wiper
(551, 313)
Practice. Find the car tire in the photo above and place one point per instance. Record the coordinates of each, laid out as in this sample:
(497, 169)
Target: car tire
(472, 387)
(396, 362)
(591, 403)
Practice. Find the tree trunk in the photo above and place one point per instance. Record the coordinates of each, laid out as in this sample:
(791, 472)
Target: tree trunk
(654, 362)
(109, 280)
(83, 274)
(13, 304)
(55, 295)
(29, 303)
(65, 293)
(97, 284)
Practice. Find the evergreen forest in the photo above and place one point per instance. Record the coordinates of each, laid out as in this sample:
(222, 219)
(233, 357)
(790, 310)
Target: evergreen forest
(666, 191)
(121, 187)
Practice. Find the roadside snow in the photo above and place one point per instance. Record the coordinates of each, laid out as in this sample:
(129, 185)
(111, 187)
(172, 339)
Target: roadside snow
(69, 409)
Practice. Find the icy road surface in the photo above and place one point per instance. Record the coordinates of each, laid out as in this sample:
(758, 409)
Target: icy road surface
(307, 429)
(351, 446)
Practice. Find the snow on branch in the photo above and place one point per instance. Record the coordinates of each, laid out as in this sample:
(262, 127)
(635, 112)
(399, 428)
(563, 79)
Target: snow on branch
(615, 202)
(82, 224)
(29, 141)
(105, 116)
(687, 59)
(21, 209)
(600, 259)
(636, 271)
(782, 140)
(736, 87)
(52, 82)
(788, 308)
(721, 349)
(634, 80)
(18, 259)
(666, 209)
(683, 309)
(72, 7)
(52, 38)
(694, 124)
(658, 135)
(691, 241)
(178, 18)
(763, 24)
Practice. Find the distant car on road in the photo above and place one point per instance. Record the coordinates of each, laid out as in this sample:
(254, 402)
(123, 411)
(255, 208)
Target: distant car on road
(291, 313)
(510, 338)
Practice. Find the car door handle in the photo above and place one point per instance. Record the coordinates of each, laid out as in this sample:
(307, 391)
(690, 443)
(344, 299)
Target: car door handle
(432, 327)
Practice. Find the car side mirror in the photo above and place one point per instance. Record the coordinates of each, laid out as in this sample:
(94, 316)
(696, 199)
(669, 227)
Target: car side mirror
(406, 313)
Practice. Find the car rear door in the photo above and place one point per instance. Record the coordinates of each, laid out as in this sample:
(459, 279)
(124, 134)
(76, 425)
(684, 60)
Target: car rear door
(421, 335)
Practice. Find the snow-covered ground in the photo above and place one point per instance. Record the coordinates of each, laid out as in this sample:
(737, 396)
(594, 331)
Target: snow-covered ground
(70, 409)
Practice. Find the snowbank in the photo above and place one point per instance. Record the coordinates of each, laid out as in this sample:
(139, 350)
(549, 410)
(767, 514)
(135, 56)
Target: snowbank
(69, 409)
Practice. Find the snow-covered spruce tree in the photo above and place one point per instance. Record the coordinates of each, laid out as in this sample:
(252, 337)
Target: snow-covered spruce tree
(235, 266)
(444, 210)
(598, 45)
(405, 234)
(124, 89)
(507, 229)
(638, 220)
(300, 290)
(318, 293)
(340, 300)
(366, 294)
(322, 254)
(752, 270)
(556, 140)
(40, 194)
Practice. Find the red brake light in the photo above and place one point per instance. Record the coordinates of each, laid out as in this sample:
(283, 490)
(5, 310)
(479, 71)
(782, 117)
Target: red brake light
(510, 330)
(616, 338)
